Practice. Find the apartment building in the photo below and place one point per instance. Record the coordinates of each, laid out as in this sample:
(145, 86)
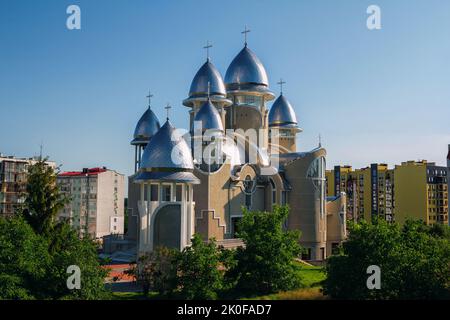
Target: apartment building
(369, 190)
(421, 192)
(97, 201)
(448, 175)
(414, 189)
(13, 182)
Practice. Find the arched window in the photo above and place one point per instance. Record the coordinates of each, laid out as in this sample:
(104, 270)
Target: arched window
(274, 192)
(249, 188)
(316, 172)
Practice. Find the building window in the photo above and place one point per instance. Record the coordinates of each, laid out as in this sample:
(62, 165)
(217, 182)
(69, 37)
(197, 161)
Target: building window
(274, 192)
(179, 190)
(284, 198)
(249, 188)
(154, 192)
(166, 193)
(249, 100)
(316, 173)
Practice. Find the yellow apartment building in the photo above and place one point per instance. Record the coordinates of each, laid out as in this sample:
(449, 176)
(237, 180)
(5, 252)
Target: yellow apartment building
(414, 189)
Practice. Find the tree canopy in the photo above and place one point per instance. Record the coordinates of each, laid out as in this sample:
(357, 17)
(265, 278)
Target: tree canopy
(414, 261)
(36, 249)
(266, 263)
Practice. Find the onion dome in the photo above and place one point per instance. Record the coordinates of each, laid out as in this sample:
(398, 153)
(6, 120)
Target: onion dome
(147, 126)
(282, 113)
(167, 157)
(246, 68)
(199, 86)
(209, 117)
(247, 73)
(207, 73)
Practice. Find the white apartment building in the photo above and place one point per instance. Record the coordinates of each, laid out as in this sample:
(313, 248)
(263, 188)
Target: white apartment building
(97, 201)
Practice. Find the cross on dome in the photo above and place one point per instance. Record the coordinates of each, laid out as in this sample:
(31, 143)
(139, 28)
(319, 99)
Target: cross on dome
(150, 95)
(245, 34)
(208, 45)
(281, 82)
(168, 107)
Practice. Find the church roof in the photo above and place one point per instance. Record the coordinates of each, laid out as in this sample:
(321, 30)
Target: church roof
(207, 73)
(147, 126)
(282, 113)
(209, 117)
(167, 150)
(246, 68)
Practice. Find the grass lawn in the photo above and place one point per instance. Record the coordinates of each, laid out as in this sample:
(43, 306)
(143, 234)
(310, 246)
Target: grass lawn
(311, 277)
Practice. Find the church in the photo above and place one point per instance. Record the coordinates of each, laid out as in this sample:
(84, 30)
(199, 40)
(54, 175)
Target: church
(237, 153)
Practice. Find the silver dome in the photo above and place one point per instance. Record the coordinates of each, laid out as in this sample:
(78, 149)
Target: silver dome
(282, 113)
(167, 150)
(207, 73)
(147, 126)
(246, 68)
(209, 117)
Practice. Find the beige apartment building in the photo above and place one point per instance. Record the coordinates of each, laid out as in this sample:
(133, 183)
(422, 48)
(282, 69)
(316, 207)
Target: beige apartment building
(97, 201)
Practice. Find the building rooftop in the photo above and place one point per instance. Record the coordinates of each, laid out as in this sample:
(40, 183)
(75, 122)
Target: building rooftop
(84, 172)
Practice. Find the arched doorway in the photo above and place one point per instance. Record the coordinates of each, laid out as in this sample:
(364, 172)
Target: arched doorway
(167, 227)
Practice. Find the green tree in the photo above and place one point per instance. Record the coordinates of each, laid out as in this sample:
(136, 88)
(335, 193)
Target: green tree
(35, 250)
(66, 249)
(156, 271)
(43, 199)
(266, 263)
(198, 272)
(414, 261)
(23, 260)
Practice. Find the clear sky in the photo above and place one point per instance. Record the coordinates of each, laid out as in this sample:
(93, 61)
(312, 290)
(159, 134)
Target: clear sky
(374, 96)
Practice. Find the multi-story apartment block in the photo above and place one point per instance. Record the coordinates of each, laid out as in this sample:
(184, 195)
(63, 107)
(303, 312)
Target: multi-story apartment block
(13, 182)
(448, 175)
(417, 190)
(421, 192)
(369, 190)
(97, 201)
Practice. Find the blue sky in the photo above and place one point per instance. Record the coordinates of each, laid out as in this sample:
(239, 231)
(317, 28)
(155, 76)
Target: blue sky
(374, 96)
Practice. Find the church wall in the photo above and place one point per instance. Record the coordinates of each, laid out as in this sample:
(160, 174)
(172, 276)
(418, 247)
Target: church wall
(305, 206)
(211, 196)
